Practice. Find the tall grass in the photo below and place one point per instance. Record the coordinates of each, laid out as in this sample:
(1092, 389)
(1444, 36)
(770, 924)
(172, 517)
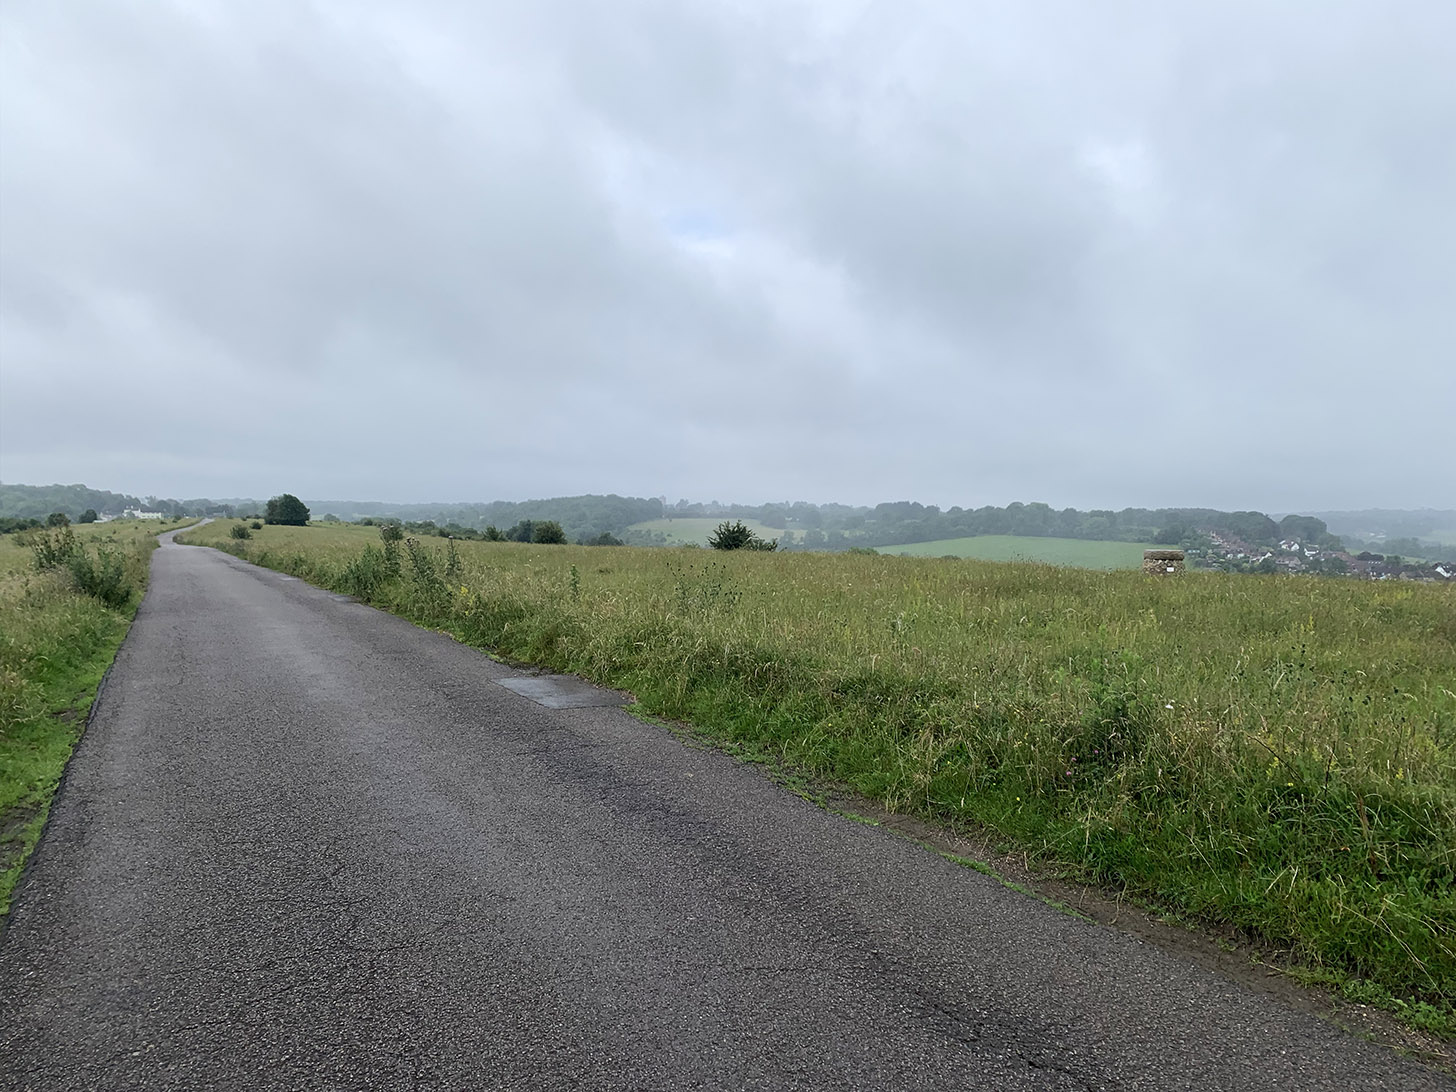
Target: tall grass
(1273, 753)
(67, 598)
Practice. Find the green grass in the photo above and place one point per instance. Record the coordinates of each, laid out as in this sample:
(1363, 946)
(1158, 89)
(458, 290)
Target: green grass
(55, 645)
(1272, 753)
(681, 532)
(1081, 553)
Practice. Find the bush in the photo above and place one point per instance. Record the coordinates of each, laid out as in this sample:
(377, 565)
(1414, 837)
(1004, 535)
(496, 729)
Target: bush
(548, 532)
(58, 519)
(255, 525)
(240, 531)
(104, 579)
(286, 510)
(737, 536)
(54, 549)
(89, 516)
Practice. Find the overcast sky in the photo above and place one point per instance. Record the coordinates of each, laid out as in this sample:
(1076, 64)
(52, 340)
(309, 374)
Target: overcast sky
(1096, 254)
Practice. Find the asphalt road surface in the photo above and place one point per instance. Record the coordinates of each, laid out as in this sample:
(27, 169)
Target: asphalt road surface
(305, 845)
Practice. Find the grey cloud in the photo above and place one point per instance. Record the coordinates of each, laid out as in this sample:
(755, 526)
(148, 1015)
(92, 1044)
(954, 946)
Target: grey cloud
(965, 253)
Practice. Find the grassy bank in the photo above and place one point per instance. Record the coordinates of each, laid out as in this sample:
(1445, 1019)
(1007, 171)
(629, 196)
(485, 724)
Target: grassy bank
(1078, 552)
(56, 641)
(1272, 753)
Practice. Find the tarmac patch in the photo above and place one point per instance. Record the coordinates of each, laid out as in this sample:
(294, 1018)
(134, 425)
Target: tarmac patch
(563, 692)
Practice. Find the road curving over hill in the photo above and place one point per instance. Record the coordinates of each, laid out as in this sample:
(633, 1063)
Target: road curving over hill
(306, 845)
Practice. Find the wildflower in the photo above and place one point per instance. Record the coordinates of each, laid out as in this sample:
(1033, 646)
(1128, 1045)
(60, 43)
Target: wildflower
(1168, 706)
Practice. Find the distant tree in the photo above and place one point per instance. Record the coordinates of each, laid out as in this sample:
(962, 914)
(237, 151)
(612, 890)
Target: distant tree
(548, 532)
(286, 510)
(606, 538)
(492, 533)
(58, 519)
(88, 516)
(737, 536)
(1306, 529)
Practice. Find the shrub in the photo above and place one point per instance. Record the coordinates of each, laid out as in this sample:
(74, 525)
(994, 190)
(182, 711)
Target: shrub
(255, 525)
(364, 575)
(548, 532)
(104, 579)
(240, 531)
(738, 536)
(54, 549)
(89, 516)
(58, 519)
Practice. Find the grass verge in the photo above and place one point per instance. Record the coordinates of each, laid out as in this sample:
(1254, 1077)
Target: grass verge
(1272, 754)
(56, 642)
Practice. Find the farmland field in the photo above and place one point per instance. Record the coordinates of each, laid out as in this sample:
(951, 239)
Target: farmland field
(1276, 754)
(681, 532)
(1081, 553)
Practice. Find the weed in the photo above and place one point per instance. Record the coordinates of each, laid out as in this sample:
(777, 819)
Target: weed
(52, 549)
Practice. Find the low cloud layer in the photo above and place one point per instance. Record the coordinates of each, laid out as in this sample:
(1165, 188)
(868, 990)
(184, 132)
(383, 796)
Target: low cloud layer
(965, 253)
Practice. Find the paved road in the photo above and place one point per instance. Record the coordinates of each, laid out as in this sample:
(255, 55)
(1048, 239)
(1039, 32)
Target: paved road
(304, 845)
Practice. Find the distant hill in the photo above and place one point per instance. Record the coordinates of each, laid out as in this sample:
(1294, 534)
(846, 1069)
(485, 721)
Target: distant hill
(1434, 524)
(1428, 532)
(39, 501)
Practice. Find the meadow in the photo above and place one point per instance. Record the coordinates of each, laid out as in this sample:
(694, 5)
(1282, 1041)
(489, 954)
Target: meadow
(1275, 754)
(56, 642)
(1078, 552)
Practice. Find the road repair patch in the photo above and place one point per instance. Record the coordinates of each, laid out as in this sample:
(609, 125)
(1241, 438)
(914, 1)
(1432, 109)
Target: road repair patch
(563, 692)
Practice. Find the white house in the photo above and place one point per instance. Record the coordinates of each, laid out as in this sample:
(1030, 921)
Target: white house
(138, 513)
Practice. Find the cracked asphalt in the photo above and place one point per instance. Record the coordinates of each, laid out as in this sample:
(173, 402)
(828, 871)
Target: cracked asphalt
(305, 845)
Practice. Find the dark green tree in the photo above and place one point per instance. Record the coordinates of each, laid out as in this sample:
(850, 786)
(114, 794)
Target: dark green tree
(58, 519)
(88, 516)
(548, 532)
(287, 510)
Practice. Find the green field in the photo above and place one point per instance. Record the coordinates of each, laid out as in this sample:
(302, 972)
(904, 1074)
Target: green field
(1080, 553)
(682, 532)
(55, 644)
(1276, 754)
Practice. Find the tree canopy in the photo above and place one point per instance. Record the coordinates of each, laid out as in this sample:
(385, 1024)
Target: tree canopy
(288, 510)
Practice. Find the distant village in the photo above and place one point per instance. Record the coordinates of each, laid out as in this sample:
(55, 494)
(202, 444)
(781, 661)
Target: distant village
(1228, 553)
